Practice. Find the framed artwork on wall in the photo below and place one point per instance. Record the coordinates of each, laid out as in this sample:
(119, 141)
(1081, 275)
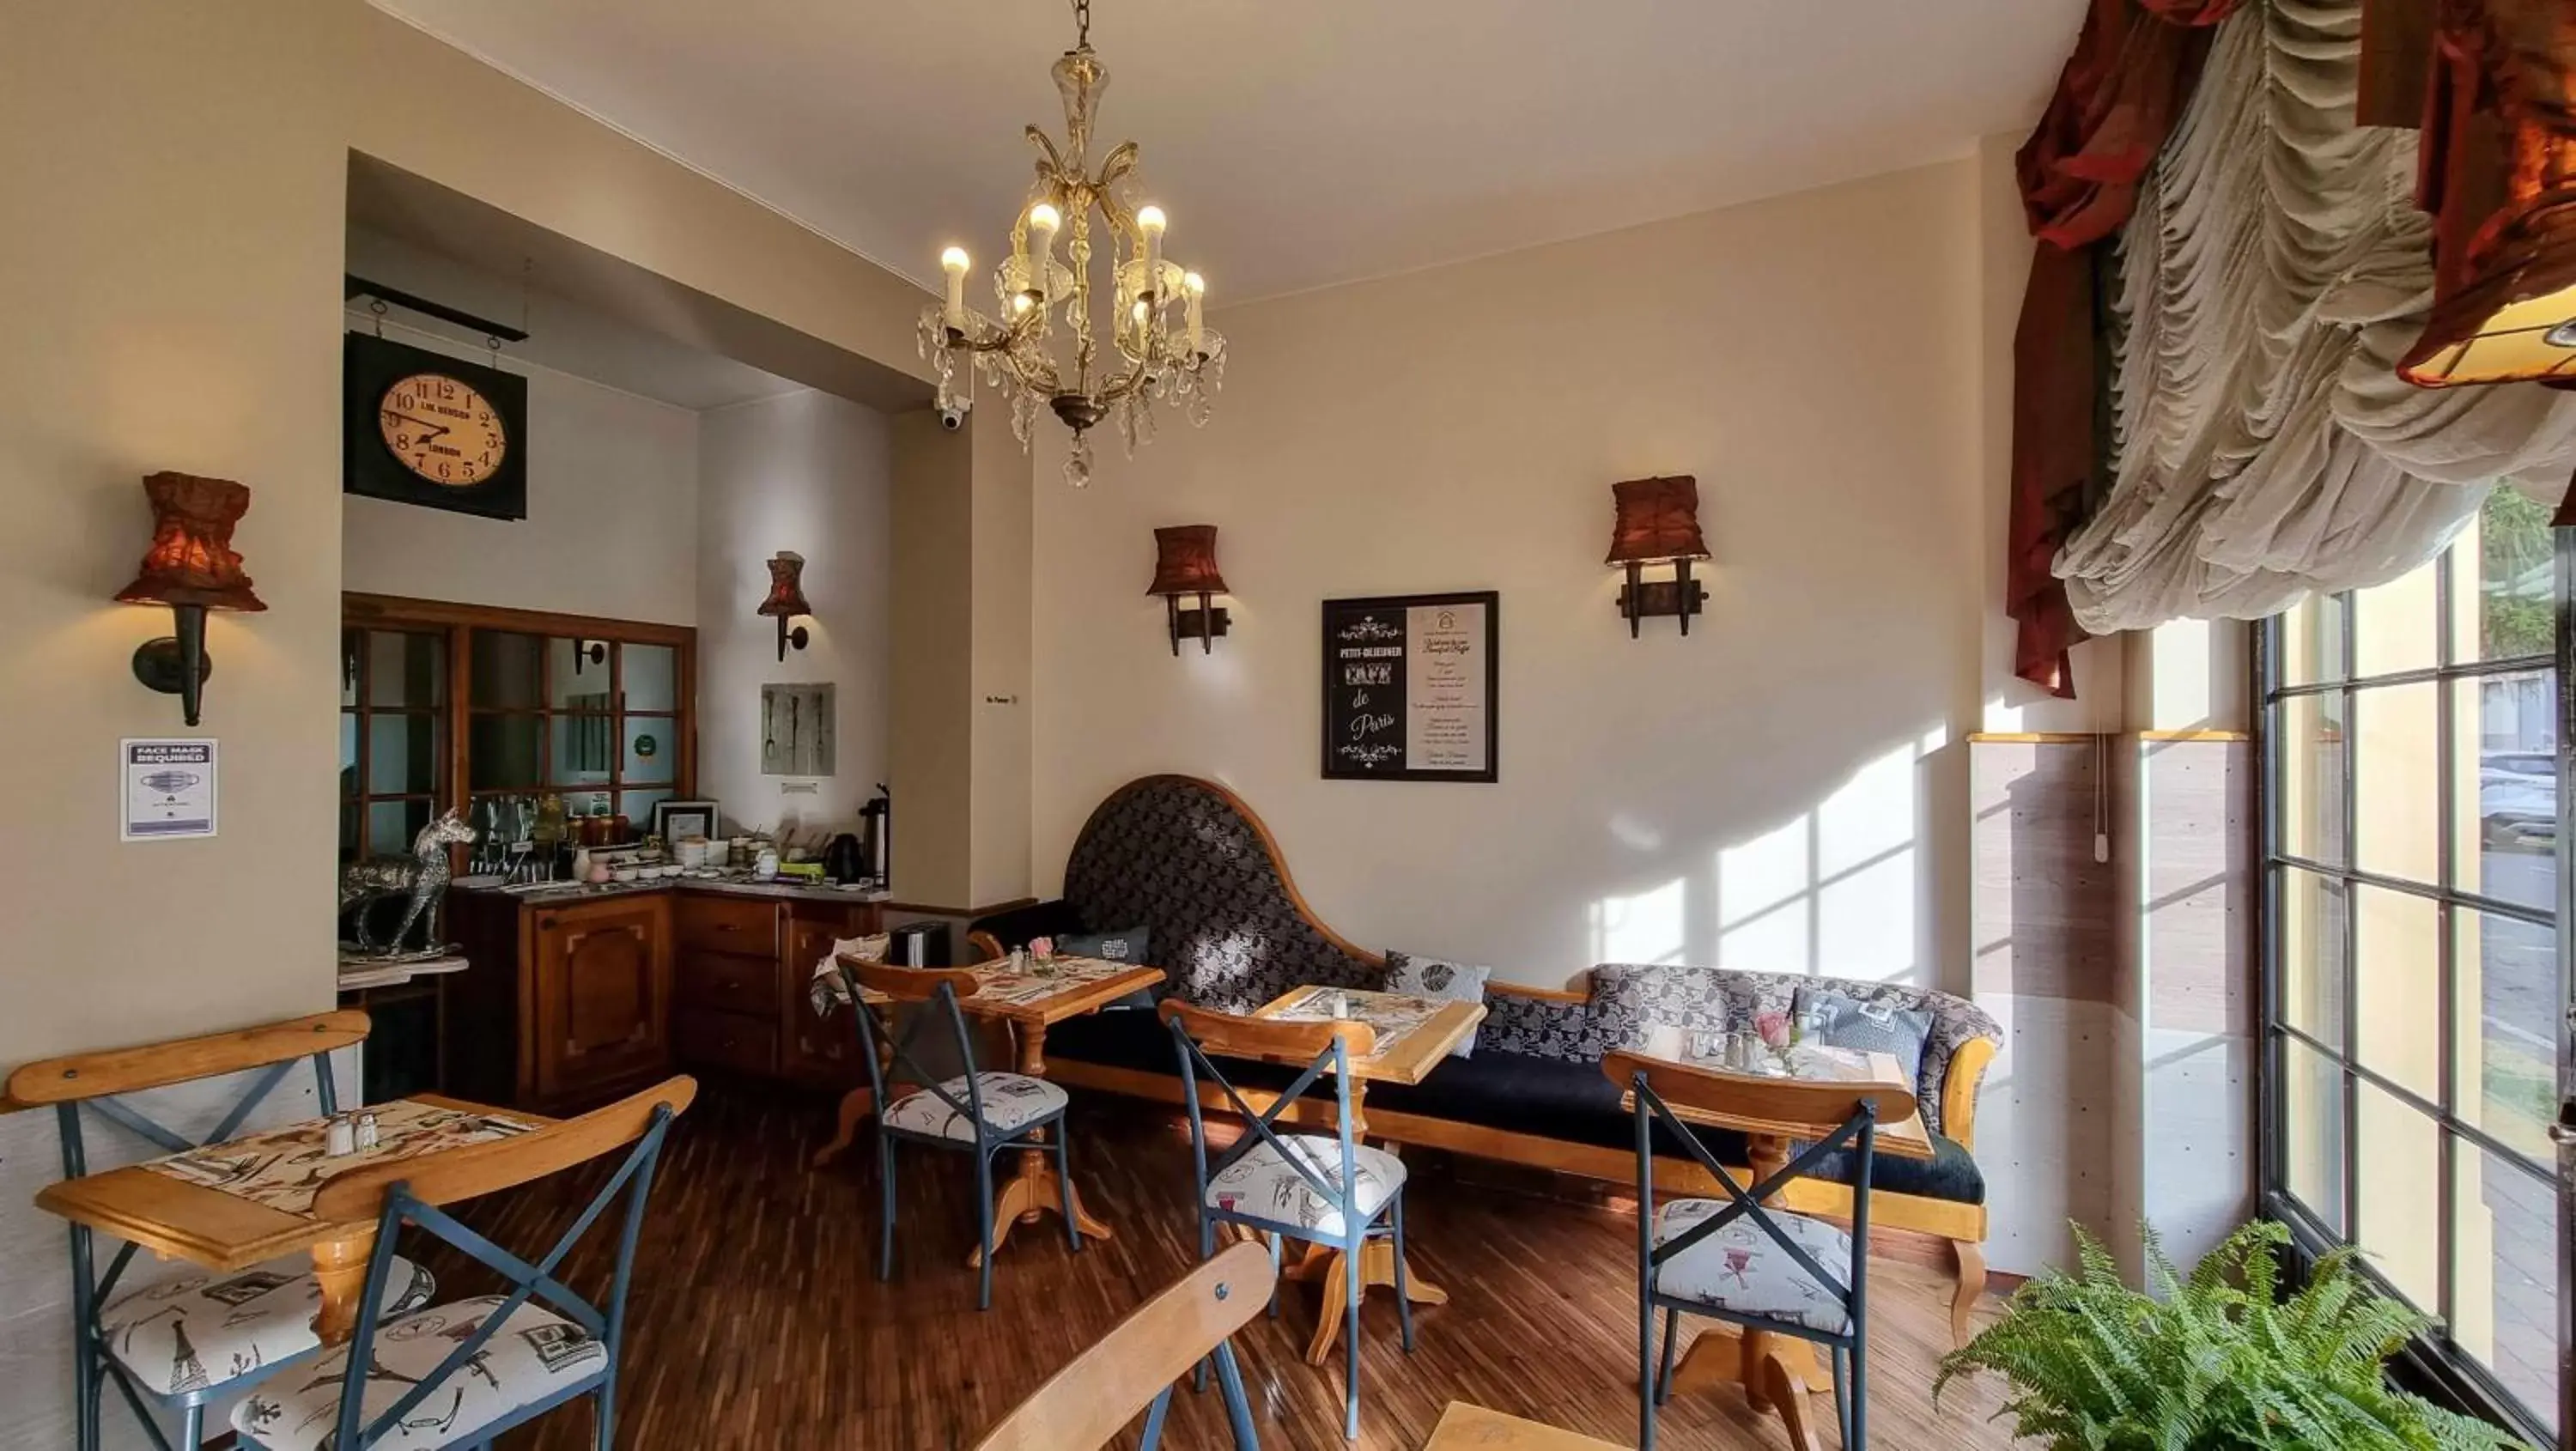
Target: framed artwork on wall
(1410, 688)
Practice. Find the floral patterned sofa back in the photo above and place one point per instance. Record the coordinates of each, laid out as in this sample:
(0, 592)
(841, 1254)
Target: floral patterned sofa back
(1182, 859)
(1628, 999)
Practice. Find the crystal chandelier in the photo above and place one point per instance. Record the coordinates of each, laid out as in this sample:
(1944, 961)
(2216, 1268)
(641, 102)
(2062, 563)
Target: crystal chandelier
(1166, 353)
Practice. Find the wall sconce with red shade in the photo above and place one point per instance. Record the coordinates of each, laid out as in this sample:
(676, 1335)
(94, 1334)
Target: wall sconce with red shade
(1185, 564)
(787, 599)
(192, 568)
(1658, 523)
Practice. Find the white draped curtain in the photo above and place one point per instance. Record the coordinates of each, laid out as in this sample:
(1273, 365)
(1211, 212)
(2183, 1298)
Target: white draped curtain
(2275, 270)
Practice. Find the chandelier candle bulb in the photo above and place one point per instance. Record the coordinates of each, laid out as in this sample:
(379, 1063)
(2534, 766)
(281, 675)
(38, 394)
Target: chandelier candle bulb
(1043, 220)
(1150, 221)
(954, 263)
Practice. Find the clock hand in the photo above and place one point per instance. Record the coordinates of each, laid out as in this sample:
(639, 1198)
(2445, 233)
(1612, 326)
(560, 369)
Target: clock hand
(435, 429)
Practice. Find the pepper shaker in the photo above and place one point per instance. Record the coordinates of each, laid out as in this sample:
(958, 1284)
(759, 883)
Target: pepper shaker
(367, 1138)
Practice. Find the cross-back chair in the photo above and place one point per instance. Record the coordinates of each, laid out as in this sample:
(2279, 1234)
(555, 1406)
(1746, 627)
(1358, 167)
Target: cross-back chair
(1135, 1366)
(175, 1346)
(463, 1372)
(1744, 1260)
(981, 1113)
(1333, 1191)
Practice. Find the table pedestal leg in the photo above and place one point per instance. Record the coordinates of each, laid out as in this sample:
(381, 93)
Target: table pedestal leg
(859, 1104)
(340, 1266)
(1776, 1372)
(1036, 1190)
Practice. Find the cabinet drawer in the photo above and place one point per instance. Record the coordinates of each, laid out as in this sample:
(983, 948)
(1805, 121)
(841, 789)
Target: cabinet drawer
(726, 1040)
(729, 983)
(726, 924)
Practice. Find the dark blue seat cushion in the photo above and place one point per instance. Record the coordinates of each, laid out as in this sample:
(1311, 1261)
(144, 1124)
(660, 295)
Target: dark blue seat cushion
(1547, 1097)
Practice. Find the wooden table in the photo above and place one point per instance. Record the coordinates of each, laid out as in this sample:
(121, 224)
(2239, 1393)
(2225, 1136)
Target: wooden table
(1772, 1369)
(1469, 1427)
(1029, 1002)
(1410, 1043)
(227, 1231)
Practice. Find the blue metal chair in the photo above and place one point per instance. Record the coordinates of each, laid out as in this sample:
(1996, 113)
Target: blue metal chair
(464, 1372)
(173, 1347)
(1137, 1364)
(977, 1113)
(1332, 1191)
(1744, 1261)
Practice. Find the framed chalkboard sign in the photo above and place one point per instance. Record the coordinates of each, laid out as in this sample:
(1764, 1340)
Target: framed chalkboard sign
(1409, 687)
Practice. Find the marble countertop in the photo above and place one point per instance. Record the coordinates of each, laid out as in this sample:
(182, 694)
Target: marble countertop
(554, 893)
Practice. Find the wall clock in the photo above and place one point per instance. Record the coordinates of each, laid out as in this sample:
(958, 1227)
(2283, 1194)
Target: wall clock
(419, 427)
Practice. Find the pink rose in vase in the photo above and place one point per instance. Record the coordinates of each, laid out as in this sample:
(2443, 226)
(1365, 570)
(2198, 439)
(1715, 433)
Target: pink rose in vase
(1042, 948)
(1773, 1029)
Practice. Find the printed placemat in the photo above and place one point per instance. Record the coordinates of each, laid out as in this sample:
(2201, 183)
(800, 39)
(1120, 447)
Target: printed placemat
(1043, 981)
(1391, 1016)
(285, 1167)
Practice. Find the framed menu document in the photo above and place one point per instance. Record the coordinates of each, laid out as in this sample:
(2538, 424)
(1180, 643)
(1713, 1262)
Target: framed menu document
(1409, 686)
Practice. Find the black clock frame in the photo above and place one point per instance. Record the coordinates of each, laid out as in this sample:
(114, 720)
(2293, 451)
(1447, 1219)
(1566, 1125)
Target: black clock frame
(369, 365)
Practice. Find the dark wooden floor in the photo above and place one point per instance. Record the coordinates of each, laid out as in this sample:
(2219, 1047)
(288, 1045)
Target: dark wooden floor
(756, 1319)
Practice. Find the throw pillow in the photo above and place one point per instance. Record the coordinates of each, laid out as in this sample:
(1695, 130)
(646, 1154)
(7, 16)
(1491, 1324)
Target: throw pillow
(1434, 977)
(1129, 945)
(1843, 1021)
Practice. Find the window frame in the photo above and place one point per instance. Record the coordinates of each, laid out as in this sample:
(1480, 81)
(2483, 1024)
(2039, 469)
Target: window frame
(2436, 1357)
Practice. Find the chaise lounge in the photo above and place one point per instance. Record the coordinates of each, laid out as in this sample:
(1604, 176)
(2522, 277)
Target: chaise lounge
(1188, 861)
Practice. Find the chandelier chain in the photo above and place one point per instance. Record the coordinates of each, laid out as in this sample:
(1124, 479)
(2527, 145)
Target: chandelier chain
(1081, 24)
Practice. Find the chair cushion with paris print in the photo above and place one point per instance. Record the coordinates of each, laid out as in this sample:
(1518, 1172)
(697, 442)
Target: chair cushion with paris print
(1267, 1186)
(1743, 1271)
(1012, 1101)
(535, 1356)
(202, 1330)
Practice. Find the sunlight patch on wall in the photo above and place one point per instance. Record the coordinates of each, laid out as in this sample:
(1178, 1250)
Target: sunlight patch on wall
(1762, 874)
(1649, 927)
(1776, 941)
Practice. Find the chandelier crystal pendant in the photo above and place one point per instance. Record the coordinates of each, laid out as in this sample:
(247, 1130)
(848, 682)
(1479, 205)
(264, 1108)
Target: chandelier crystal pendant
(1164, 350)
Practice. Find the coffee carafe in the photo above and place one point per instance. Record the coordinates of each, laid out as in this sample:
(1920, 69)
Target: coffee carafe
(876, 838)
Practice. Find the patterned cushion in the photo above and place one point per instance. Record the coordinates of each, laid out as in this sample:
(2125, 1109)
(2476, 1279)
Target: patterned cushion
(1626, 998)
(1011, 1100)
(1434, 977)
(1880, 1027)
(1744, 1271)
(1131, 944)
(1264, 1185)
(1174, 856)
(535, 1354)
(198, 1331)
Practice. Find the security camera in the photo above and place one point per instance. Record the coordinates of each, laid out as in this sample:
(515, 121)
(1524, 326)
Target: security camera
(953, 416)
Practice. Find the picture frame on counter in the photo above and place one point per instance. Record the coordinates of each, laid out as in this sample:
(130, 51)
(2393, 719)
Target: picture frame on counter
(678, 821)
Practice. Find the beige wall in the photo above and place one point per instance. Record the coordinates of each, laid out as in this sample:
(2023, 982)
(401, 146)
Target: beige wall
(179, 171)
(1761, 793)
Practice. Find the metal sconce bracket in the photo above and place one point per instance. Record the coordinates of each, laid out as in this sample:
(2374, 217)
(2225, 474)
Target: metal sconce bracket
(786, 637)
(1680, 596)
(178, 664)
(1204, 623)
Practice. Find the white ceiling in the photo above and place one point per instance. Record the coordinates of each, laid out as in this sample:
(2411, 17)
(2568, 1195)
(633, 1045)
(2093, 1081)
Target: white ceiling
(1295, 143)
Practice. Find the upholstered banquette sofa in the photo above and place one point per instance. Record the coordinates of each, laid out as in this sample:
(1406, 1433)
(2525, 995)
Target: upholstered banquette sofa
(1187, 860)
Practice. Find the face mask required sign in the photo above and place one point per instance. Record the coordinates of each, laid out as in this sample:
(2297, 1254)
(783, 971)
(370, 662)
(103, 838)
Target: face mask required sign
(168, 789)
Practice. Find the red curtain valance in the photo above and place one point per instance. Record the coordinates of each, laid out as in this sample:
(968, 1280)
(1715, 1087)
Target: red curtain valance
(2133, 69)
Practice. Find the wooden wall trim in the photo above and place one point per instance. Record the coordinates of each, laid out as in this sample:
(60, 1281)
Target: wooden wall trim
(391, 610)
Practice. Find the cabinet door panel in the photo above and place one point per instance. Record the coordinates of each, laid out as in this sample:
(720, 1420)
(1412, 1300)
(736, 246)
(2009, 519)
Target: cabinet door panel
(821, 1048)
(603, 995)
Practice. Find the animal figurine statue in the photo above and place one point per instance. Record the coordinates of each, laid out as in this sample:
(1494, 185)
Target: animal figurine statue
(423, 875)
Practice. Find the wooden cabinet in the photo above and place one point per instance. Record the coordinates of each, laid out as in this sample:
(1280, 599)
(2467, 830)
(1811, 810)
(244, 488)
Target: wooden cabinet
(570, 1003)
(601, 974)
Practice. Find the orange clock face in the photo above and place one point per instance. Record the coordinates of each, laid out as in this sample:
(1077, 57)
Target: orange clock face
(443, 430)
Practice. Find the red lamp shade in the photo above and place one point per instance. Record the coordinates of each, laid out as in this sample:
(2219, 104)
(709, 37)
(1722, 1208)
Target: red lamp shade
(1658, 520)
(1185, 561)
(192, 560)
(786, 587)
(2499, 173)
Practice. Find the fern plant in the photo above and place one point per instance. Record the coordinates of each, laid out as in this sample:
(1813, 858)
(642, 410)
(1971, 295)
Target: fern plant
(2215, 1362)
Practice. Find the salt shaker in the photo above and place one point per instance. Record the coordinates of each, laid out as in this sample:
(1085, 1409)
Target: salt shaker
(367, 1131)
(342, 1139)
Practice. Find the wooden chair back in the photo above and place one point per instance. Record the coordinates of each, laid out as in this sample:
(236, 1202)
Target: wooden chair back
(1083, 1405)
(479, 1169)
(1235, 1035)
(1754, 1103)
(83, 1076)
(911, 984)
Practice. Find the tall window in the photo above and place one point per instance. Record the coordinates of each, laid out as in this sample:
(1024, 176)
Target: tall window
(2412, 991)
